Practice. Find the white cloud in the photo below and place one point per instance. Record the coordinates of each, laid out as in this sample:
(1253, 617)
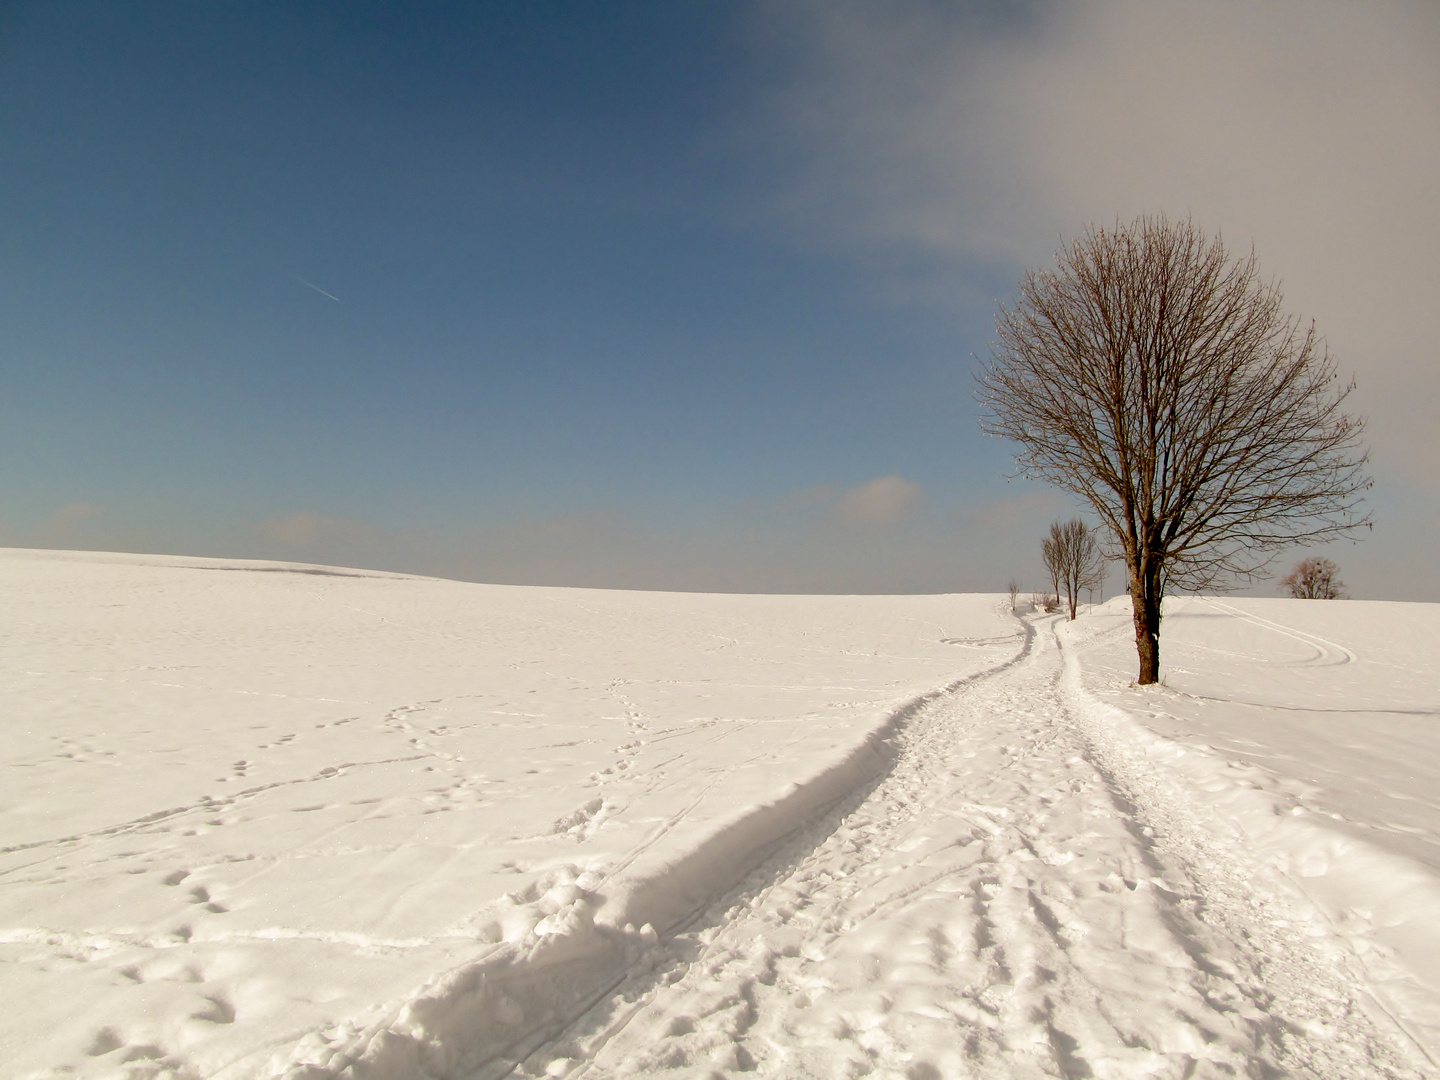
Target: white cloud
(299, 530)
(75, 524)
(881, 501)
(875, 537)
(1308, 129)
(71, 515)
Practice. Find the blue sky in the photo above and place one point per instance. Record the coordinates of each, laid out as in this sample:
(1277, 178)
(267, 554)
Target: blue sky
(670, 295)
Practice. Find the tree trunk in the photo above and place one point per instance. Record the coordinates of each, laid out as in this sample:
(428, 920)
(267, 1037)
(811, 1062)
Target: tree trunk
(1145, 597)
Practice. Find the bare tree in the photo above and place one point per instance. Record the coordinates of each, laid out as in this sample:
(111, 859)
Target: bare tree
(1074, 560)
(1052, 566)
(1052, 556)
(1314, 579)
(1014, 587)
(1158, 379)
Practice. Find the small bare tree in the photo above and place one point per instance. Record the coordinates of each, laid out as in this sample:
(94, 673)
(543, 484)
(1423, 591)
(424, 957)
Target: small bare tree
(1314, 579)
(1014, 587)
(1074, 560)
(1052, 567)
(1159, 380)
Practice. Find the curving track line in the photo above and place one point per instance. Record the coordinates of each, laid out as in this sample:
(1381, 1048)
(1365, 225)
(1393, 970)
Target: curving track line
(1330, 653)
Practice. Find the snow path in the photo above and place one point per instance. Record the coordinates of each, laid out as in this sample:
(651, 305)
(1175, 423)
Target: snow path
(258, 819)
(1020, 896)
(1335, 707)
(264, 821)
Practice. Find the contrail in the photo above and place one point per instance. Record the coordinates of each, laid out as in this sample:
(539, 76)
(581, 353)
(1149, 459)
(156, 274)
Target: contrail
(312, 285)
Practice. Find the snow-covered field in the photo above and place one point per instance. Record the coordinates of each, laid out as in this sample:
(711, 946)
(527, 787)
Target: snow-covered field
(251, 813)
(263, 820)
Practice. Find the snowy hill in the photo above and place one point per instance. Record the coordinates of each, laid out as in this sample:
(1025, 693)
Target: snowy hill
(262, 820)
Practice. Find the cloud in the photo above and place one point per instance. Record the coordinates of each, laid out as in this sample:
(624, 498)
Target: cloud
(794, 543)
(1018, 512)
(881, 501)
(875, 537)
(71, 515)
(298, 530)
(1310, 130)
(75, 524)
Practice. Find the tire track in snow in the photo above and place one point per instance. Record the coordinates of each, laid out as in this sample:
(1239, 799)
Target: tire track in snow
(997, 905)
(1330, 653)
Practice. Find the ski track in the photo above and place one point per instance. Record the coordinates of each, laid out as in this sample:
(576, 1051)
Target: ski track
(1329, 652)
(1018, 896)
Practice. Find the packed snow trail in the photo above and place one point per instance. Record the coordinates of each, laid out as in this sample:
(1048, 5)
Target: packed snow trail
(264, 818)
(1003, 903)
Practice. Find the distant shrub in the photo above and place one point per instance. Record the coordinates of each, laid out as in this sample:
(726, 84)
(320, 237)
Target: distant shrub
(1314, 579)
(1046, 602)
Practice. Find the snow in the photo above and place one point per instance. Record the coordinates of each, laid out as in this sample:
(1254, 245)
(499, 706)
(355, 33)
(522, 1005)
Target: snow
(245, 804)
(264, 820)
(1312, 730)
(1337, 701)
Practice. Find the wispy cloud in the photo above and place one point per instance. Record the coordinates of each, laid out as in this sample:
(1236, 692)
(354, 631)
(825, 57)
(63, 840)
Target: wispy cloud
(882, 501)
(75, 524)
(874, 537)
(796, 542)
(71, 515)
(1308, 129)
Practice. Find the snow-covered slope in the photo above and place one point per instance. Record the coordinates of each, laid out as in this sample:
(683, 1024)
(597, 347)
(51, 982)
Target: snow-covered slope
(283, 821)
(1044, 886)
(255, 816)
(1311, 731)
(1338, 701)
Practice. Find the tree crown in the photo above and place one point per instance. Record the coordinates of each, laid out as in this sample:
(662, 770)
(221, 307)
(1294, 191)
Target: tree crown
(1159, 380)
